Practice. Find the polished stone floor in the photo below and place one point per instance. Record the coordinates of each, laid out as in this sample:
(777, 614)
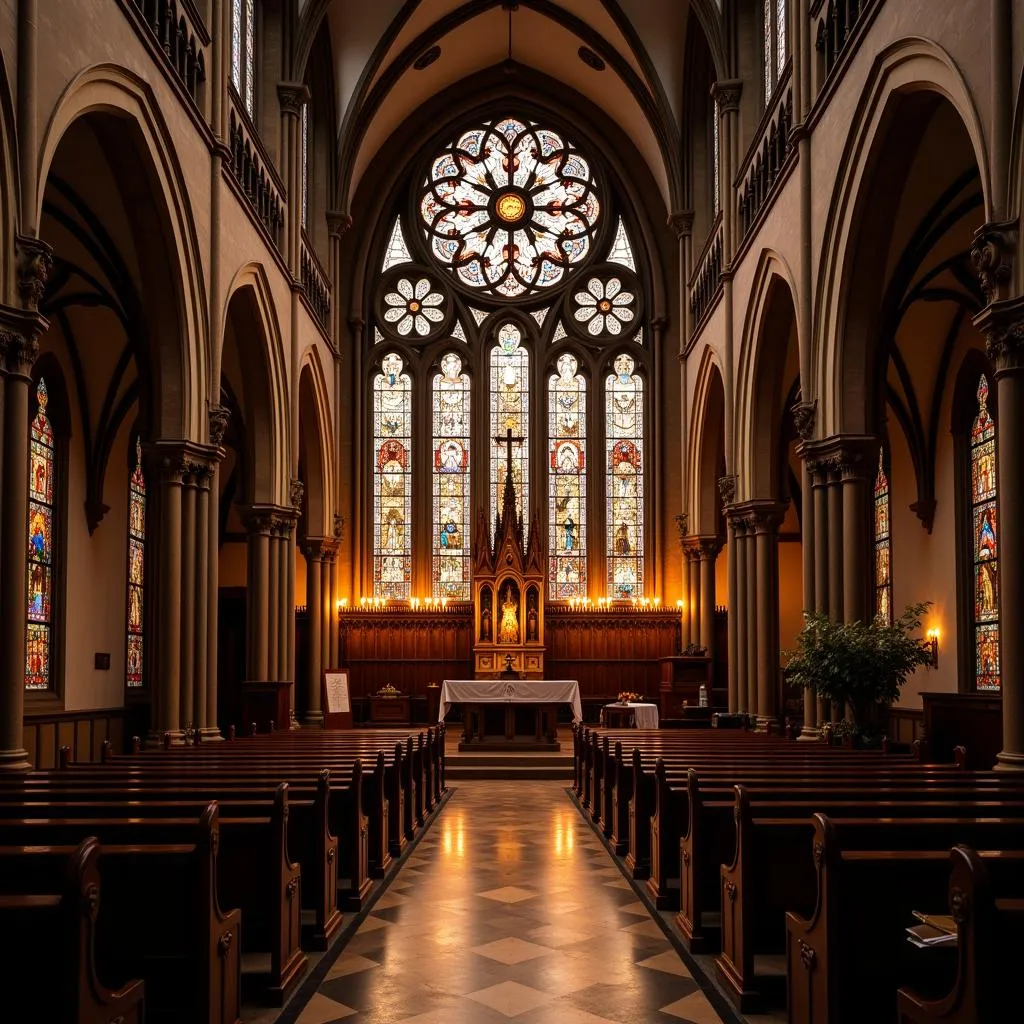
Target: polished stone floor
(509, 909)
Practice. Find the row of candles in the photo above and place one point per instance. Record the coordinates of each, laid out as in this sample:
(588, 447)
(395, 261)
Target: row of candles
(441, 604)
(608, 604)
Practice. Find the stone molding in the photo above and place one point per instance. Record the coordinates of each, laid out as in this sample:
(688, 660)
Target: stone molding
(804, 416)
(727, 93)
(219, 416)
(34, 262)
(292, 96)
(727, 488)
(1002, 323)
(339, 223)
(681, 223)
(993, 250)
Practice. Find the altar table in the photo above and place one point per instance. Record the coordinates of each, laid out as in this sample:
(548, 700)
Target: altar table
(640, 716)
(511, 691)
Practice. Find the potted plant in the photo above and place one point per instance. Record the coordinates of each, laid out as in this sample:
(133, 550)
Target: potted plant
(858, 665)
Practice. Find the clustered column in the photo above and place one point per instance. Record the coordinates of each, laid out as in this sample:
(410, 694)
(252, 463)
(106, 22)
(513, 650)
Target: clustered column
(691, 567)
(314, 612)
(708, 557)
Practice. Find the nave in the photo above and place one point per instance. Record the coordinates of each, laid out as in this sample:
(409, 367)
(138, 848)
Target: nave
(499, 916)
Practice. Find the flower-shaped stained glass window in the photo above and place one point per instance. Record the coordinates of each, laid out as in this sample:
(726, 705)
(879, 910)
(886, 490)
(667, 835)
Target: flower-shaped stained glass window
(511, 207)
(605, 307)
(414, 307)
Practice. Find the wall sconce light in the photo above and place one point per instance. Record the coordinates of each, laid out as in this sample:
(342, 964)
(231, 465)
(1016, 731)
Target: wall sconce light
(932, 639)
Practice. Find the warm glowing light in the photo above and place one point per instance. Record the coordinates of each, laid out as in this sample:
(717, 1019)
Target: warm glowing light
(679, 604)
(510, 207)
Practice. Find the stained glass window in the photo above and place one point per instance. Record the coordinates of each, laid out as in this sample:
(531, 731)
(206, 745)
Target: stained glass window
(397, 251)
(250, 56)
(769, 64)
(883, 547)
(622, 248)
(136, 568)
(776, 44)
(243, 52)
(305, 165)
(567, 481)
(392, 480)
(41, 521)
(452, 564)
(780, 37)
(510, 410)
(624, 432)
(985, 543)
(510, 206)
(236, 45)
(716, 156)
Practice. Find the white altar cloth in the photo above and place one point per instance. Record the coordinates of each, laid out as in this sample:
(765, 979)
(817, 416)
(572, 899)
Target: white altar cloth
(645, 716)
(511, 691)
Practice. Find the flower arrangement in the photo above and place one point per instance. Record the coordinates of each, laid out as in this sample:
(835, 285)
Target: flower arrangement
(387, 690)
(629, 697)
(694, 651)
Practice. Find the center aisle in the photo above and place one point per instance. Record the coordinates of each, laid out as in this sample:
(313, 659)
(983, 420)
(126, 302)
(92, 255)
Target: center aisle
(509, 908)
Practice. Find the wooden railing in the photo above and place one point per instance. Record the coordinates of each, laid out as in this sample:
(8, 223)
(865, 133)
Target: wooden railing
(254, 172)
(836, 22)
(315, 285)
(180, 34)
(705, 280)
(766, 158)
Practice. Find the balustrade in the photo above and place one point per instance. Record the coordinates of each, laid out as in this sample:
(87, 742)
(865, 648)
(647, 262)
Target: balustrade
(181, 36)
(315, 285)
(704, 283)
(254, 172)
(766, 159)
(837, 20)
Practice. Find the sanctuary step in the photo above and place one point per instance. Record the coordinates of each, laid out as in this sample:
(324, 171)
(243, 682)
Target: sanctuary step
(508, 766)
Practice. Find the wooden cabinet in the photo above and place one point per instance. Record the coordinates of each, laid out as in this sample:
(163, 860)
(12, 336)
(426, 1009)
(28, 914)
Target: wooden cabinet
(681, 679)
(391, 710)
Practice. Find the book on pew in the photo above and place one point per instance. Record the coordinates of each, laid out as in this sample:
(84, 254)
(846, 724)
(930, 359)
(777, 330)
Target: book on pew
(941, 922)
(926, 937)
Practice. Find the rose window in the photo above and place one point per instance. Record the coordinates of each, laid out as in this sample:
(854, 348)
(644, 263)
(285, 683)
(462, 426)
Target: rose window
(510, 207)
(414, 308)
(606, 307)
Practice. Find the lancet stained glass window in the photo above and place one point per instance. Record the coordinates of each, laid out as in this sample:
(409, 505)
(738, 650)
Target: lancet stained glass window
(510, 410)
(305, 165)
(567, 480)
(392, 480)
(624, 432)
(452, 564)
(716, 156)
(42, 505)
(985, 544)
(776, 45)
(883, 545)
(243, 52)
(136, 569)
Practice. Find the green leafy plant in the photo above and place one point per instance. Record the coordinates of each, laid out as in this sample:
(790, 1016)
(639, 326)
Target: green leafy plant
(858, 664)
(694, 651)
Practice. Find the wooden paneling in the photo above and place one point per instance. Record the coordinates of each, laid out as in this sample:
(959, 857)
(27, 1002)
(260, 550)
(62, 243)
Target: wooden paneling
(82, 731)
(904, 725)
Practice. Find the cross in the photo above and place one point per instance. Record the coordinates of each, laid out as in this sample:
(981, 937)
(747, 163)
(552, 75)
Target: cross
(508, 440)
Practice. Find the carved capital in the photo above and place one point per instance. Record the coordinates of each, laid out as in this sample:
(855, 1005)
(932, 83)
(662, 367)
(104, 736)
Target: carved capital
(18, 351)
(682, 525)
(710, 548)
(727, 488)
(766, 516)
(727, 95)
(993, 250)
(681, 223)
(339, 223)
(219, 416)
(339, 526)
(34, 263)
(1003, 326)
(292, 96)
(295, 491)
(259, 519)
(804, 416)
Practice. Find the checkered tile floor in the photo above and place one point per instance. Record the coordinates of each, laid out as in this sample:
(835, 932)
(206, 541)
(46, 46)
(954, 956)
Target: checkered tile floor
(497, 918)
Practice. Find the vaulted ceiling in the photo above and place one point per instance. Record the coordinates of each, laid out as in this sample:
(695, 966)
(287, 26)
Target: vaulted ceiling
(376, 45)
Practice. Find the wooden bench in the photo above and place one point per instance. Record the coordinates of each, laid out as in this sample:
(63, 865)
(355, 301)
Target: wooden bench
(986, 899)
(161, 920)
(59, 915)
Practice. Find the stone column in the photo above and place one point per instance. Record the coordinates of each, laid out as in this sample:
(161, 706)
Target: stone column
(738, 607)
(171, 468)
(190, 488)
(856, 466)
(332, 612)
(218, 422)
(295, 494)
(19, 333)
(1002, 323)
(709, 549)
(819, 483)
(804, 414)
(767, 517)
(750, 553)
(274, 623)
(258, 593)
(314, 604)
(329, 557)
(202, 608)
(727, 489)
(692, 553)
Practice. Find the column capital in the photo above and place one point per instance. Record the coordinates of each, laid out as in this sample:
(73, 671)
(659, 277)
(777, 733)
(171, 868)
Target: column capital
(1002, 323)
(296, 489)
(843, 456)
(683, 526)
(339, 223)
(338, 526)
(691, 548)
(727, 94)
(34, 263)
(19, 339)
(292, 96)
(766, 516)
(993, 250)
(681, 222)
(259, 519)
(804, 416)
(183, 459)
(219, 417)
(727, 488)
(314, 548)
(710, 546)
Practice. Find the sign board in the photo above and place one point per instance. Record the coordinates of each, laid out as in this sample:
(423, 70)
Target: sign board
(337, 706)
(336, 691)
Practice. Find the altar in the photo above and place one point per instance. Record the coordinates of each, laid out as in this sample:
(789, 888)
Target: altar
(510, 714)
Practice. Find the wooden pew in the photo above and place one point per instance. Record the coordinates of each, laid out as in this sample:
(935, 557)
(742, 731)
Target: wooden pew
(986, 899)
(254, 874)
(161, 920)
(846, 960)
(48, 971)
(774, 872)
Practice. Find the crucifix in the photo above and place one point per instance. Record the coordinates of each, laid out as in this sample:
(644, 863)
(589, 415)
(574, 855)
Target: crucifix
(508, 440)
